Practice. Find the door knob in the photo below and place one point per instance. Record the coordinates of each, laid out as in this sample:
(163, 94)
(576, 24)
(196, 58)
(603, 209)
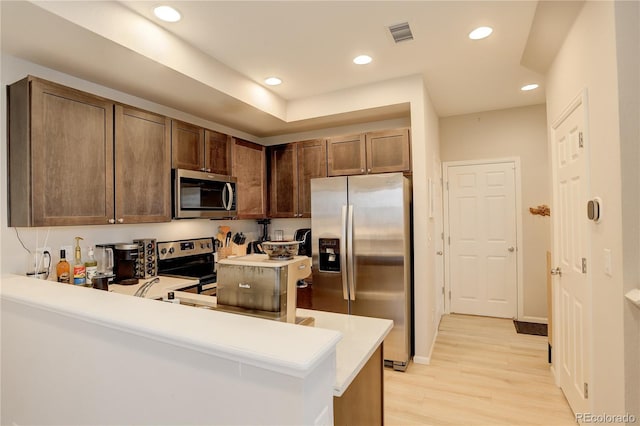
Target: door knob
(511, 249)
(439, 252)
(556, 271)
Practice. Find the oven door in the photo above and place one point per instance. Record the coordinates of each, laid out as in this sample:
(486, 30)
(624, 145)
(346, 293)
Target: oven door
(203, 195)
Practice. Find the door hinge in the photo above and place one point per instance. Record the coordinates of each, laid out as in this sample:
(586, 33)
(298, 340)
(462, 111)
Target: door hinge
(442, 236)
(584, 265)
(449, 240)
(586, 390)
(447, 185)
(443, 291)
(449, 295)
(580, 140)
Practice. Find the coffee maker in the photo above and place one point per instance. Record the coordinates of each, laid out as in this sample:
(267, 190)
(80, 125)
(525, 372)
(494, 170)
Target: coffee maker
(126, 263)
(303, 235)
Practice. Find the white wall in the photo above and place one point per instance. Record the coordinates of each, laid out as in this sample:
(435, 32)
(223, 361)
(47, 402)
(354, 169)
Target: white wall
(587, 59)
(516, 132)
(628, 49)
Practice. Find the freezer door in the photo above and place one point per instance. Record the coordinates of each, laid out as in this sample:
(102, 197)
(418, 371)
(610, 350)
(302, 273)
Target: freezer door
(381, 256)
(328, 216)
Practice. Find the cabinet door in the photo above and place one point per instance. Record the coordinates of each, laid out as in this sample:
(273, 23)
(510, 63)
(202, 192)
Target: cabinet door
(143, 166)
(217, 152)
(388, 151)
(188, 146)
(284, 181)
(71, 156)
(312, 163)
(346, 155)
(249, 166)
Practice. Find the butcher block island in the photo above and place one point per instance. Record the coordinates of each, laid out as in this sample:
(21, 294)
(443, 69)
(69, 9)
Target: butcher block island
(85, 356)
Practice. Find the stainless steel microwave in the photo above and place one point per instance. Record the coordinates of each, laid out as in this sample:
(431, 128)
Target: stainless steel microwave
(203, 195)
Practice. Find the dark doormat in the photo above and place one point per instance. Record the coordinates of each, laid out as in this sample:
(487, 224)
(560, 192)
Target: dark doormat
(530, 328)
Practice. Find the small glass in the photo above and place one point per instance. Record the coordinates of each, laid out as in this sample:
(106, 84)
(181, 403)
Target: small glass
(278, 235)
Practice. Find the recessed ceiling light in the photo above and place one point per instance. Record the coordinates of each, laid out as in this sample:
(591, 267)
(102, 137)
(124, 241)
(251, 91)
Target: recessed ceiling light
(167, 13)
(272, 81)
(480, 33)
(362, 59)
(529, 87)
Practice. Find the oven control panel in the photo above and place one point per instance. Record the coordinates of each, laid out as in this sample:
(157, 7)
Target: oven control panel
(184, 248)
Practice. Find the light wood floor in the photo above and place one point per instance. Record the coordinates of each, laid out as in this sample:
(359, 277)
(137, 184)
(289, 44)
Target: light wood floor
(481, 373)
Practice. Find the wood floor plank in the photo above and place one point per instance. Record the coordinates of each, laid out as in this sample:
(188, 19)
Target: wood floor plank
(481, 373)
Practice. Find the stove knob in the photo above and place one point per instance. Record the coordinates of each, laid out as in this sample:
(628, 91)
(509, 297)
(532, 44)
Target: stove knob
(171, 250)
(208, 245)
(201, 245)
(163, 251)
(150, 245)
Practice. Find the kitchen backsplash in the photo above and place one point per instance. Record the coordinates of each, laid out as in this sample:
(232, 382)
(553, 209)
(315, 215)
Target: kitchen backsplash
(15, 257)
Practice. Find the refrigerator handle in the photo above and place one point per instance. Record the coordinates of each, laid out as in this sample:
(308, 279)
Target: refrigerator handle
(352, 263)
(343, 254)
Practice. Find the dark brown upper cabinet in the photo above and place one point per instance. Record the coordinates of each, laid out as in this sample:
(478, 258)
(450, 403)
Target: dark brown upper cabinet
(346, 155)
(249, 166)
(388, 151)
(143, 166)
(63, 168)
(60, 152)
(217, 152)
(195, 148)
(187, 142)
(374, 152)
(292, 168)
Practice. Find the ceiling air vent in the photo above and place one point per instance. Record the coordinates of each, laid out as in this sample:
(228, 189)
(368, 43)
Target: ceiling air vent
(401, 32)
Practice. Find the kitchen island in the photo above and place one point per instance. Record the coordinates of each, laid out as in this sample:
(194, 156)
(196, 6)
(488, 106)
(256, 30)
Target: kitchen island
(84, 356)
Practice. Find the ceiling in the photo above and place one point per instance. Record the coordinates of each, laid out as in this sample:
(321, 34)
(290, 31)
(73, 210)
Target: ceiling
(309, 44)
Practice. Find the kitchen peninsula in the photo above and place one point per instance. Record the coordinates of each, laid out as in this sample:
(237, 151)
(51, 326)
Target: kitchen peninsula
(83, 356)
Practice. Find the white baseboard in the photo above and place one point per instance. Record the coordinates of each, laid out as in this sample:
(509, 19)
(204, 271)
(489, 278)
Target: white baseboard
(422, 360)
(538, 320)
(427, 359)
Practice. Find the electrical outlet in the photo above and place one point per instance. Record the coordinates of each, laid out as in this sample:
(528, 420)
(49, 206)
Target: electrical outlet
(41, 250)
(68, 252)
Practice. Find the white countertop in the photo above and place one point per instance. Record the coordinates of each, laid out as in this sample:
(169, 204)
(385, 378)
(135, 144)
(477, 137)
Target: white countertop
(282, 347)
(157, 290)
(361, 336)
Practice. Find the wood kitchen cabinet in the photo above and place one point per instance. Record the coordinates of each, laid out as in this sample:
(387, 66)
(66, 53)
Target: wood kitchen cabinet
(63, 169)
(195, 148)
(217, 152)
(292, 168)
(346, 155)
(249, 166)
(188, 146)
(374, 152)
(60, 155)
(143, 166)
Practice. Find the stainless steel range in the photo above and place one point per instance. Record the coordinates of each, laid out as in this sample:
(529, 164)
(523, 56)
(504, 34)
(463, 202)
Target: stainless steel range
(193, 259)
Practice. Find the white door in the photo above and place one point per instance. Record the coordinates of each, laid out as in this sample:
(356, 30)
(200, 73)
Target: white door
(570, 247)
(482, 251)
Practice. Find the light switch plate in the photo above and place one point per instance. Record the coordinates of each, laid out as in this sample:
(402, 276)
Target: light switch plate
(608, 269)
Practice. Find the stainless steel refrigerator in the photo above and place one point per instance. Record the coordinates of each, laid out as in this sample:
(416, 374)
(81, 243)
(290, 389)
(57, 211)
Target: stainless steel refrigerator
(362, 253)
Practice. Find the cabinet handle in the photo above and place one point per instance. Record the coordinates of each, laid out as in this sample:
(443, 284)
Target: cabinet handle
(208, 170)
(361, 170)
(111, 221)
(120, 220)
(368, 170)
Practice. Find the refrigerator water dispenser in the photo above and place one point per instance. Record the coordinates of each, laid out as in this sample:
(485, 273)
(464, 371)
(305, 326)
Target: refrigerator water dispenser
(329, 251)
